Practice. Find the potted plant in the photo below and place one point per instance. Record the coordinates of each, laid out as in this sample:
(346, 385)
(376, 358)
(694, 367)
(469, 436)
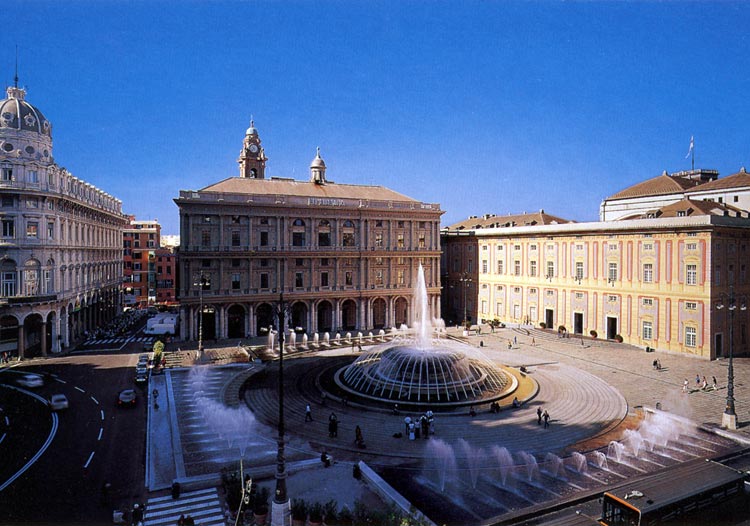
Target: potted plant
(345, 516)
(316, 514)
(542, 325)
(618, 338)
(260, 506)
(299, 512)
(330, 511)
(593, 333)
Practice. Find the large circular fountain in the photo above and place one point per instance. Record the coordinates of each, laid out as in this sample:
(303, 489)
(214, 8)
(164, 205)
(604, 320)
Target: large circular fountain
(423, 369)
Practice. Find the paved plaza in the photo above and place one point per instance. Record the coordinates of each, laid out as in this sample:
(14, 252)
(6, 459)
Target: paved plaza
(590, 388)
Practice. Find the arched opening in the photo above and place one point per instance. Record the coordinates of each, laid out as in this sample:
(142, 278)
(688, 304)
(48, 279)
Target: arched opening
(299, 317)
(9, 336)
(236, 321)
(32, 335)
(402, 312)
(325, 316)
(264, 319)
(349, 315)
(378, 313)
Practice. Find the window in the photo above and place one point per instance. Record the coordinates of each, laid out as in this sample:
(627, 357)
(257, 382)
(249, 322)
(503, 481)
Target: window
(612, 276)
(579, 270)
(421, 241)
(422, 225)
(235, 220)
(379, 223)
(205, 238)
(32, 202)
(691, 274)
(6, 174)
(323, 262)
(263, 220)
(32, 176)
(298, 239)
(298, 279)
(264, 239)
(400, 241)
(401, 224)
(516, 247)
(532, 269)
(348, 278)
(235, 238)
(690, 336)
(500, 266)
(235, 282)
(379, 239)
(400, 277)
(348, 239)
(205, 263)
(648, 302)
(517, 268)
(50, 231)
(579, 295)
(648, 272)
(235, 263)
(484, 306)
(692, 246)
(484, 266)
(9, 227)
(533, 247)
(532, 292)
(8, 283)
(550, 293)
(378, 277)
(691, 305)
(299, 262)
(8, 201)
(550, 269)
(647, 330)
(324, 239)
(717, 275)
(264, 280)
(32, 229)
(324, 279)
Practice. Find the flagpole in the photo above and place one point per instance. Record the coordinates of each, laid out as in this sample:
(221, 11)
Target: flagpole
(692, 162)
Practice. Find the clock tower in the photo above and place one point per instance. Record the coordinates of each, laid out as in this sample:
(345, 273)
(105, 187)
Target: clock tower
(252, 157)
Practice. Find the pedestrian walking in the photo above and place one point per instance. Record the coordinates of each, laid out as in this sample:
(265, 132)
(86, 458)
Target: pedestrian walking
(539, 416)
(308, 413)
(431, 422)
(407, 421)
(697, 380)
(704, 383)
(515, 340)
(510, 345)
(715, 384)
(333, 425)
(533, 342)
(685, 386)
(546, 419)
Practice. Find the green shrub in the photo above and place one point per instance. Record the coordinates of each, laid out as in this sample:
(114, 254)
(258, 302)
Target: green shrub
(618, 338)
(593, 333)
(542, 325)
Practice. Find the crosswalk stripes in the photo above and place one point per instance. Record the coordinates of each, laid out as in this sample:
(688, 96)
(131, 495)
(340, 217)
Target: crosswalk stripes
(202, 505)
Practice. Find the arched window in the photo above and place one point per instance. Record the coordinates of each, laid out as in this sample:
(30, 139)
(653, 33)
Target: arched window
(31, 278)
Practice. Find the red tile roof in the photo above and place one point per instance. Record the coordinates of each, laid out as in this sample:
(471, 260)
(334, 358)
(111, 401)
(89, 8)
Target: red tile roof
(494, 221)
(661, 185)
(739, 180)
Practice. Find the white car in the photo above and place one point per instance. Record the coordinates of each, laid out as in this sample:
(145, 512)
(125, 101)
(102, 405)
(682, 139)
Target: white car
(58, 402)
(31, 380)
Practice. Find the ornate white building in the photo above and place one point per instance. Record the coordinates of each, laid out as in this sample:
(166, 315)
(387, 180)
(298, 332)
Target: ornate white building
(60, 240)
(345, 256)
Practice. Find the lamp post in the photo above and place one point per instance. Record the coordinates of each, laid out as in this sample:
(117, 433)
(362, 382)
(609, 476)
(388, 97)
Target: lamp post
(281, 509)
(202, 282)
(465, 281)
(729, 418)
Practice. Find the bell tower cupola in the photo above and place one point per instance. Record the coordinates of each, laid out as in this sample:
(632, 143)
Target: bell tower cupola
(252, 157)
(318, 169)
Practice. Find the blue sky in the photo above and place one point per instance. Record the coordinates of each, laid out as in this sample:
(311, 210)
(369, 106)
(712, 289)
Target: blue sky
(483, 107)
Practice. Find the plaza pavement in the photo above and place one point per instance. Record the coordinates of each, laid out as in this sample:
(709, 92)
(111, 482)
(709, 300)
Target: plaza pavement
(588, 386)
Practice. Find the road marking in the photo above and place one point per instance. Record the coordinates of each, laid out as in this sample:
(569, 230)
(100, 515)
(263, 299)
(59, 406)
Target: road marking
(2, 438)
(101, 430)
(61, 380)
(44, 447)
(102, 414)
(7, 421)
(95, 400)
(80, 389)
(89, 460)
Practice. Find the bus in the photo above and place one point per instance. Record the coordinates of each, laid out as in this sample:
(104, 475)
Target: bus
(664, 497)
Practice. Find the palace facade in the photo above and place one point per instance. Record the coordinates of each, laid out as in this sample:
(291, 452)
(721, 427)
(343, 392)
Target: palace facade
(61, 243)
(670, 278)
(345, 257)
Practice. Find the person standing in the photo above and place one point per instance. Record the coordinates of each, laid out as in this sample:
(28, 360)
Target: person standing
(332, 425)
(308, 413)
(715, 384)
(538, 416)
(685, 386)
(546, 419)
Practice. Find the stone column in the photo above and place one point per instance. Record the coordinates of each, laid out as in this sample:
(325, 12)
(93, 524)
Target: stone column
(21, 342)
(43, 338)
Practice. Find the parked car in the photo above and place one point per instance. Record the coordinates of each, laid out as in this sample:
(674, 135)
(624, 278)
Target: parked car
(141, 376)
(143, 360)
(58, 402)
(126, 398)
(31, 380)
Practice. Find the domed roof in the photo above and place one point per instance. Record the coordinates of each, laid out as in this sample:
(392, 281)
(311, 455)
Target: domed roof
(17, 114)
(251, 130)
(318, 162)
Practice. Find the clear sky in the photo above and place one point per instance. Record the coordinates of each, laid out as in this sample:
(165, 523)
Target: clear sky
(483, 107)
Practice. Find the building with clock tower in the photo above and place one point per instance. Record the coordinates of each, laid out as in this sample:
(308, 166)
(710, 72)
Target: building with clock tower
(252, 157)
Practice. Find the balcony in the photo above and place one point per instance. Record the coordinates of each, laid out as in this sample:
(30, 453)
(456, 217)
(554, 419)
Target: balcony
(28, 300)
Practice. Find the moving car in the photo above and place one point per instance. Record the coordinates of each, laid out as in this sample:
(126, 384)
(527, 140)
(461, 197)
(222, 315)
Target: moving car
(58, 402)
(31, 380)
(143, 360)
(141, 376)
(126, 398)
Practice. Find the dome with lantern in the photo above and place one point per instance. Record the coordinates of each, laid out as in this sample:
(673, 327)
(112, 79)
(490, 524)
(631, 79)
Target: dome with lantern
(24, 130)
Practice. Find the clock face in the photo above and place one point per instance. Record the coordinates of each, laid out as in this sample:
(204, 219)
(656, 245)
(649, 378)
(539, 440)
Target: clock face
(253, 148)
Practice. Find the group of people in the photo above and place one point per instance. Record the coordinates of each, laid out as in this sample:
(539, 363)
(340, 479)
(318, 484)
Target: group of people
(185, 520)
(423, 426)
(5, 357)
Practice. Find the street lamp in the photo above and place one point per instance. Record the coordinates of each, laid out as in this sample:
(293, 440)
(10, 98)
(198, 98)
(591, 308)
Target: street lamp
(729, 418)
(203, 282)
(465, 281)
(281, 509)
